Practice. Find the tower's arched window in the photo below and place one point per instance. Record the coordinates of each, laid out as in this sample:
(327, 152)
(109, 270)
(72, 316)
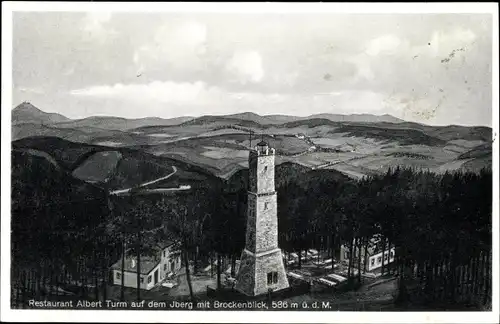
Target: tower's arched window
(266, 205)
(265, 168)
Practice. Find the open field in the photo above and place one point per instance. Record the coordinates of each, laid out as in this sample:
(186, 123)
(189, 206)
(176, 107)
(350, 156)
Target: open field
(98, 167)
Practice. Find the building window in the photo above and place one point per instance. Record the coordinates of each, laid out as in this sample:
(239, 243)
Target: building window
(385, 257)
(379, 259)
(266, 205)
(164, 253)
(392, 255)
(165, 267)
(372, 262)
(265, 169)
(118, 275)
(272, 278)
(142, 280)
(149, 279)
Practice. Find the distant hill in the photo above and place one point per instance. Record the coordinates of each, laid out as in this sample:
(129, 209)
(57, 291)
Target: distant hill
(360, 118)
(122, 124)
(282, 119)
(403, 136)
(23, 130)
(253, 117)
(27, 113)
(214, 121)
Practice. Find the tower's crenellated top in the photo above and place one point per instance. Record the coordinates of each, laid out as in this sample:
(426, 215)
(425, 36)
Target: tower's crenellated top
(262, 148)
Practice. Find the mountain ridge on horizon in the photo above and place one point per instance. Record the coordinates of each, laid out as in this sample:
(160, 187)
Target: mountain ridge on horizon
(26, 112)
(216, 143)
(26, 108)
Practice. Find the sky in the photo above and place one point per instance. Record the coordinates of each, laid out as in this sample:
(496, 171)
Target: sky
(428, 68)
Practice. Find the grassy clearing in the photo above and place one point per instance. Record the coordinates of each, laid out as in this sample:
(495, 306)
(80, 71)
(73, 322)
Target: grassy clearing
(403, 136)
(161, 135)
(410, 155)
(380, 163)
(356, 172)
(477, 164)
(346, 143)
(224, 131)
(132, 170)
(224, 153)
(483, 150)
(450, 166)
(110, 143)
(98, 167)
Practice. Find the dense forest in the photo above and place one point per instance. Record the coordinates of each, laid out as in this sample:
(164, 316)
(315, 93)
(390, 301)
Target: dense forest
(440, 224)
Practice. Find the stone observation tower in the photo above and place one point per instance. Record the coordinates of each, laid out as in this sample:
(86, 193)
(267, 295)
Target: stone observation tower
(261, 268)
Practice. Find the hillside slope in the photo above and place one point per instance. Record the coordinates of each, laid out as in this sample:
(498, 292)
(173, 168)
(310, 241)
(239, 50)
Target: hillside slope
(126, 168)
(27, 113)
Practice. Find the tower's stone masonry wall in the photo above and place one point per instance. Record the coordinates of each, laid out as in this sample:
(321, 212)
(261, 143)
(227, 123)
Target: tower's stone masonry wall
(250, 235)
(267, 223)
(252, 172)
(269, 263)
(245, 279)
(265, 176)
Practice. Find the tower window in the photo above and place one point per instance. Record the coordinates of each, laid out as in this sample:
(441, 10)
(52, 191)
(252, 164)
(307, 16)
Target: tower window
(266, 205)
(272, 278)
(265, 168)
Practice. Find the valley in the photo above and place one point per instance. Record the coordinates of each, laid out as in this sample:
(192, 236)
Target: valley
(355, 145)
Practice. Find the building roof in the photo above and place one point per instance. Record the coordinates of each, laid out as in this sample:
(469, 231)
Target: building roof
(147, 264)
(166, 244)
(262, 143)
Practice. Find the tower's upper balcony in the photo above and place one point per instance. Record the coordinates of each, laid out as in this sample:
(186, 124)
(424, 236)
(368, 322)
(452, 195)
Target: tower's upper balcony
(263, 148)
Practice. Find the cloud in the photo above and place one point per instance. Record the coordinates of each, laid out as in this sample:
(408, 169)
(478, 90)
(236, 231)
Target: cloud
(443, 42)
(69, 71)
(247, 66)
(36, 90)
(94, 25)
(181, 46)
(387, 44)
(162, 92)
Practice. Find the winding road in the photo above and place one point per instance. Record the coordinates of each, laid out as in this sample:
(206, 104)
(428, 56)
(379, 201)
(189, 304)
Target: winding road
(125, 191)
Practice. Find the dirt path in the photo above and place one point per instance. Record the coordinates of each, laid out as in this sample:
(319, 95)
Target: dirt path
(122, 191)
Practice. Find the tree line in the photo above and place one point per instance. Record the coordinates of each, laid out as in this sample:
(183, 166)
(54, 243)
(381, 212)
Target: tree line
(440, 225)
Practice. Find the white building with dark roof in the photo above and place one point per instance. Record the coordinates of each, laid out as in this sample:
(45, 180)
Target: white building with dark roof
(154, 269)
(373, 256)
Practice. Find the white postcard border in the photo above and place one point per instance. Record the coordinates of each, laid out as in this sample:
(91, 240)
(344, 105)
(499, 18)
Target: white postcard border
(8, 314)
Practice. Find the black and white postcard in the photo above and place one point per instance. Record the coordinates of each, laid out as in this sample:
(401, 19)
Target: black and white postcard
(253, 162)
